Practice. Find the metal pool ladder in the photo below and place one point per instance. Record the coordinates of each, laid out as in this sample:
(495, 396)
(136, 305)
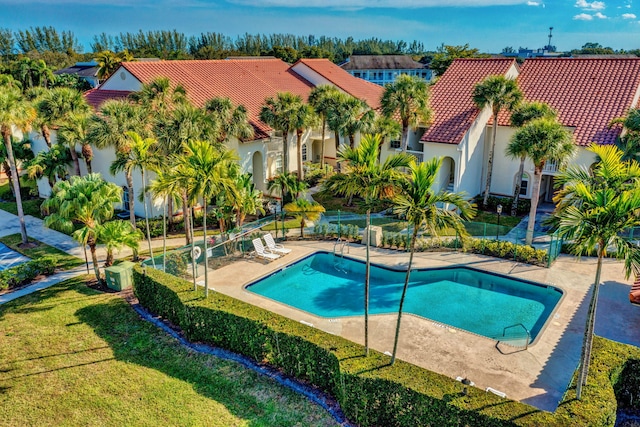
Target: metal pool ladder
(517, 335)
(338, 257)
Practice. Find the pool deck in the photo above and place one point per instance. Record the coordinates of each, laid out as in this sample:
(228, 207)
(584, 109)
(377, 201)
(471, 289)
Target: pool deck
(537, 376)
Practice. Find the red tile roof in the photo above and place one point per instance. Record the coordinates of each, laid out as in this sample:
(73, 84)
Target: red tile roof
(451, 97)
(586, 92)
(96, 97)
(367, 91)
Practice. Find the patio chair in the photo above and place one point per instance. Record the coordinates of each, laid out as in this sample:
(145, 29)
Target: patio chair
(273, 247)
(634, 293)
(261, 252)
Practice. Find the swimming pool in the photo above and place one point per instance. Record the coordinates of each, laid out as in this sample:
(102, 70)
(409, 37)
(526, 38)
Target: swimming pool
(476, 301)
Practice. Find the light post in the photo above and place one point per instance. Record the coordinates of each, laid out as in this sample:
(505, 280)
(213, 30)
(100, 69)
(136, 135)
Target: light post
(499, 211)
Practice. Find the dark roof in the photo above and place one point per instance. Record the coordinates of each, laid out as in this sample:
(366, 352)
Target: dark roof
(381, 62)
(96, 97)
(80, 70)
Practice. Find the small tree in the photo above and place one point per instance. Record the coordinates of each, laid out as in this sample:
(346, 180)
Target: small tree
(118, 234)
(304, 211)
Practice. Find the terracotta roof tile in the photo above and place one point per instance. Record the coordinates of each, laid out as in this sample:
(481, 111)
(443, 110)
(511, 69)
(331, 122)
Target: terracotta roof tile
(367, 91)
(586, 92)
(451, 97)
(96, 97)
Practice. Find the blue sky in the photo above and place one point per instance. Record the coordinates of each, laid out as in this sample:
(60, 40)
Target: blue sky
(489, 25)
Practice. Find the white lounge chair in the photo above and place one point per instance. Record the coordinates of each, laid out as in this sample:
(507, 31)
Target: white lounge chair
(273, 247)
(261, 252)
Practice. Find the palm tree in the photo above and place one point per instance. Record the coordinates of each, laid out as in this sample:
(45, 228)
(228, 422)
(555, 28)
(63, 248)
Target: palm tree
(323, 100)
(74, 131)
(423, 208)
(166, 187)
(139, 155)
(593, 206)
(356, 117)
(87, 200)
(51, 164)
(522, 115)
(545, 140)
(108, 62)
(498, 93)
(109, 129)
(159, 96)
(204, 170)
(54, 108)
(408, 98)
(289, 186)
(303, 118)
(248, 201)
(232, 121)
(34, 95)
(279, 113)
(366, 177)
(629, 142)
(14, 111)
(304, 211)
(117, 234)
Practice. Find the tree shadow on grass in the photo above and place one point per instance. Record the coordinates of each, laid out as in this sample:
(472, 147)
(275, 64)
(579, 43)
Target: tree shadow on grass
(134, 341)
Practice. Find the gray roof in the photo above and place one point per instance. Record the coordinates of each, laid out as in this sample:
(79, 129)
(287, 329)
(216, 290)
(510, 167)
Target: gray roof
(80, 70)
(381, 62)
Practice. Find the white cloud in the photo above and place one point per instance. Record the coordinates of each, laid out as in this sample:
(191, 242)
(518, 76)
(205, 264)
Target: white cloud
(583, 17)
(628, 16)
(533, 3)
(600, 15)
(594, 5)
(368, 4)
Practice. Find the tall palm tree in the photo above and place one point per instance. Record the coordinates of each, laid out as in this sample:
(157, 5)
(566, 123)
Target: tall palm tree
(289, 187)
(592, 207)
(366, 177)
(54, 108)
(87, 200)
(109, 129)
(302, 119)
(168, 188)
(74, 131)
(231, 121)
(51, 164)
(629, 142)
(304, 210)
(108, 62)
(204, 170)
(522, 115)
(498, 93)
(425, 209)
(139, 155)
(323, 100)
(249, 199)
(115, 235)
(34, 95)
(408, 98)
(14, 111)
(545, 140)
(279, 113)
(159, 95)
(356, 117)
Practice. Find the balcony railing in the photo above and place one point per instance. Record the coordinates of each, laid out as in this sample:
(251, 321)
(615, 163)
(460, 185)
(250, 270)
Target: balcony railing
(419, 155)
(550, 166)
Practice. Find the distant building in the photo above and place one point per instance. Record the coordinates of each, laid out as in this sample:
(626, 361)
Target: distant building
(85, 70)
(383, 69)
(524, 53)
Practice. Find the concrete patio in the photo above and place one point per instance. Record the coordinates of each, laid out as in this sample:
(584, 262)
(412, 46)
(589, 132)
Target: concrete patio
(538, 376)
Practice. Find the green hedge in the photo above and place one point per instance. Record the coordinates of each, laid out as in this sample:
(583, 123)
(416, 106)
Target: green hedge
(370, 392)
(524, 205)
(25, 273)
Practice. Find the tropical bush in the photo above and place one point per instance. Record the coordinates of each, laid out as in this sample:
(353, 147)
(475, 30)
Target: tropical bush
(25, 273)
(176, 263)
(524, 205)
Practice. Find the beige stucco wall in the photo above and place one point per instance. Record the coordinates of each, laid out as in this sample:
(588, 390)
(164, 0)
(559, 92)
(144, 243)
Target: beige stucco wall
(122, 80)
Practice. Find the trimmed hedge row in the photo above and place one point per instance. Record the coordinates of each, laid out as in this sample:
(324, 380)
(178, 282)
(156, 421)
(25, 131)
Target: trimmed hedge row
(24, 273)
(370, 392)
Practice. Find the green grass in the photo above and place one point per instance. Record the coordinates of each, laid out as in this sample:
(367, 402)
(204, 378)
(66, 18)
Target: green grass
(30, 206)
(288, 224)
(73, 356)
(333, 203)
(65, 261)
(492, 218)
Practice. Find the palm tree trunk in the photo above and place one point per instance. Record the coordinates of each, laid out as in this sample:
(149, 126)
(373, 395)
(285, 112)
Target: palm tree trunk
(337, 135)
(109, 261)
(302, 227)
(535, 194)
(324, 123)
(352, 141)
(132, 214)
(7, 172)
(206, 258)
(487, 186)
(94, 258)
(46, 134)
(591, 320)
(516, 192)
(366, 284)
(76, 162)
(404, 294)
(146, 215)
(405, 137)
(169, 203)
(15, 182)
(299, 152)
(164, 235)
(285, 150)
(87, 153)
(186, 217)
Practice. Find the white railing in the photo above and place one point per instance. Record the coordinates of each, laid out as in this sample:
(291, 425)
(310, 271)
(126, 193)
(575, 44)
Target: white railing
(550, 166)
(419, 155)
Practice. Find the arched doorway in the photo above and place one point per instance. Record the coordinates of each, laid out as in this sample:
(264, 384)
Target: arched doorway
(258, 171)
(448, 174)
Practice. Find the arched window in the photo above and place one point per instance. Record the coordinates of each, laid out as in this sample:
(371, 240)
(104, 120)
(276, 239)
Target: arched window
(524, 184)
(304, 152)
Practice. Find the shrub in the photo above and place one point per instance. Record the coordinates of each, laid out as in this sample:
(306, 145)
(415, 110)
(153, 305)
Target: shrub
(176, 263)
(25, 273)
(524, 205)
(314, 173)
(369, 390)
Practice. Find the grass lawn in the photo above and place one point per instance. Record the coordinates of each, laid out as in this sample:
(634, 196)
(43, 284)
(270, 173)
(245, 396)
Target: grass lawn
(30, 206)
(492, 218)
(333, 203)
(73, 356)
(65, 261)
(288, 224)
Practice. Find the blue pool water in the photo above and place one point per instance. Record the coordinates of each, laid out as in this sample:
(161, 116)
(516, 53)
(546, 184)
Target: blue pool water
(469, 299)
